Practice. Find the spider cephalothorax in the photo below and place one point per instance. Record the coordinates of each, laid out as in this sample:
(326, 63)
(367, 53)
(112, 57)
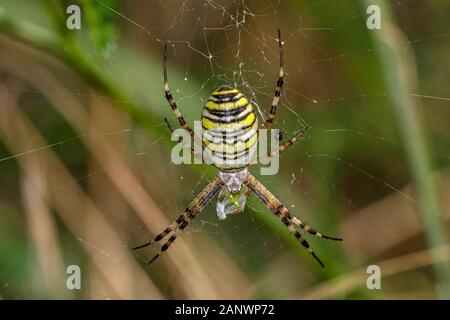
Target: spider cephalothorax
(232, 196)
(231, 138)
(233, 180)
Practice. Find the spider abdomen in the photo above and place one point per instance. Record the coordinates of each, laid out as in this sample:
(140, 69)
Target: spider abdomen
(230, 129)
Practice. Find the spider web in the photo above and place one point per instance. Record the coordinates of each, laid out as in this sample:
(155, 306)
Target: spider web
(327, 180)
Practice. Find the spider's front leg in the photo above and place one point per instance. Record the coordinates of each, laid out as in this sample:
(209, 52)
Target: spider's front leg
(277, 208)
(193, 209)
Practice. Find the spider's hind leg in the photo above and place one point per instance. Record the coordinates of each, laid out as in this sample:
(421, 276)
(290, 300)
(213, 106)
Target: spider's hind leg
(279, 86)
(170, 99)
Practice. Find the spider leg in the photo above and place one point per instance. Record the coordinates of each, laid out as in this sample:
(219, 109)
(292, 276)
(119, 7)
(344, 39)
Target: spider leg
(170, 99)
(169, 127)
(191, 149)
(180, 140)
(277, 208)
(287, 222)
(193, 209)
(308, 228)
(298, 136)
(280, 81)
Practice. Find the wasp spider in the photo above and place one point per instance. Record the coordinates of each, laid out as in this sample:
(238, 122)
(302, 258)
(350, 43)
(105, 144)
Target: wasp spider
(231, 125)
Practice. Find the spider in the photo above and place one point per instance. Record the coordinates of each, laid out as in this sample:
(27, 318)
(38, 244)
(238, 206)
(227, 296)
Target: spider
(231, 123)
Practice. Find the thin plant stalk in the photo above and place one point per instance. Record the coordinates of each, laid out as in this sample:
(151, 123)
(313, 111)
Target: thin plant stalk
(400, 76)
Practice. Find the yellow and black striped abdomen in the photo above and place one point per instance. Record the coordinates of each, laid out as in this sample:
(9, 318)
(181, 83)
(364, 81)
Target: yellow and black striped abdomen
(230, 129)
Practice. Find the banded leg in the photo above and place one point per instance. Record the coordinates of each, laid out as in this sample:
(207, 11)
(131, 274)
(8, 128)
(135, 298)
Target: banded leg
(307, 228)
(280, 81)
(287, 222)
(194, 208)
(180, 140)
(298, 136)
(170, 99)
(191, 149)
(277, 208)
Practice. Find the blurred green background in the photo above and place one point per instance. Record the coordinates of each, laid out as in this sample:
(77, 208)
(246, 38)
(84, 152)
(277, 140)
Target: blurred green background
(85, 165)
